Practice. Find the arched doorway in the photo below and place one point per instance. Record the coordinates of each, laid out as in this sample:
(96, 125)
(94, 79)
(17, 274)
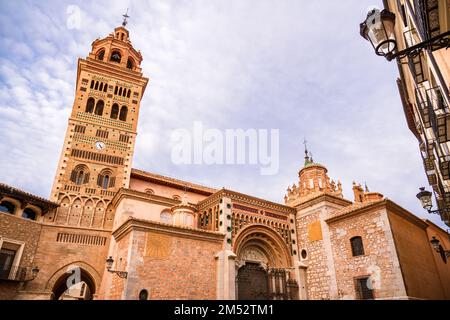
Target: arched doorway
(75, 284)
(253, 282)
(264, 266)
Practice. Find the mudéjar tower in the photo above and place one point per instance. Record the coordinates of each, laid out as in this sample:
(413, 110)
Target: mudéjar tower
(98, 148)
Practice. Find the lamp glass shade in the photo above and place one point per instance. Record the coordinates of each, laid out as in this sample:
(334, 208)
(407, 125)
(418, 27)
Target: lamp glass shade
(425, 199)
(34, 272)
(109, 263)
(378, 28)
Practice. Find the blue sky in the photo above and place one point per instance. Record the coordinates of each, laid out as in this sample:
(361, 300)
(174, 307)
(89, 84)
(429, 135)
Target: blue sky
(298, 66)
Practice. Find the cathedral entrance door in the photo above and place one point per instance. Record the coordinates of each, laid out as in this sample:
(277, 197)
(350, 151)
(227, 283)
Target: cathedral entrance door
(253, 282)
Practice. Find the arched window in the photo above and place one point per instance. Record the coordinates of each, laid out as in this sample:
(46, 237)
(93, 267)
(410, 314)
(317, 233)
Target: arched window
(115, 90)
(101, 55)
(166, 217)
(123, 113)
(7, 207)
(115, 111)
(130, 64)
(105, 88)
(124, 93)
(101, 86)
(105, 179)
(90, 105)
(92, 84)
(120, 91)
(105, 183)
(29, 214)
(143, 295)
(99, 107)
(96, 86)
(116, 57)
(128, 93)
(357, 246)
(80, 175)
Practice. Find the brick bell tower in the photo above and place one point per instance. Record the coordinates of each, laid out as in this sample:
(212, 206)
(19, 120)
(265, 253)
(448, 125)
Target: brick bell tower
(98, 148)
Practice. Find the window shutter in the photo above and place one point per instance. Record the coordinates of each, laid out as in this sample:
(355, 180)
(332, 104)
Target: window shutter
(73, 176)
(86, 177)
(112, 182)
(99, 180)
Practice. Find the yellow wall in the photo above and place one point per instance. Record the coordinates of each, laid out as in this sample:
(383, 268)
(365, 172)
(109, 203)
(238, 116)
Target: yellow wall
(415, 255)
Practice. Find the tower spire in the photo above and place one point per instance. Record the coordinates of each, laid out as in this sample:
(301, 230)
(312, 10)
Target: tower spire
(307, 157)
(125, 17)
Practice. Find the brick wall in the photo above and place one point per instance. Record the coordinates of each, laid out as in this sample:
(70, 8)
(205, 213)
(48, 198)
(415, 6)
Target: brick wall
(168, 261)
(23, 230)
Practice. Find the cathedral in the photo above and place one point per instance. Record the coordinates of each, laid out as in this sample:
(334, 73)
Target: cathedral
(111, 231)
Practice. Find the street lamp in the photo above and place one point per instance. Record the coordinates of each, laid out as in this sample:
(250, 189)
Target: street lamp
(427, 203)
(439, 249)
(425, 199)
(34, 272)
(378, 29)
(109, 263)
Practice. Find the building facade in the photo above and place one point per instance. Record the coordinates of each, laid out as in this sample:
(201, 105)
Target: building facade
(114, 232)
(424, 86)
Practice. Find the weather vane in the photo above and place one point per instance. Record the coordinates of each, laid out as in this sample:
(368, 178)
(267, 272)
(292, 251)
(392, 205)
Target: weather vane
(125, 17)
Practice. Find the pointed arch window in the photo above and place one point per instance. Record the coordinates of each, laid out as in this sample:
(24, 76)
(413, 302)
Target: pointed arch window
(101, 86)
(123, 113)
(115, 111)
(90, 105)
(116, 57)
(105, 88)
(92, 84)
(128, 93)
(99, 107)
(96, 86)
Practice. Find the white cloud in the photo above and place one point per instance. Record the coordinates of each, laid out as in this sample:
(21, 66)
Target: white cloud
(297, 66)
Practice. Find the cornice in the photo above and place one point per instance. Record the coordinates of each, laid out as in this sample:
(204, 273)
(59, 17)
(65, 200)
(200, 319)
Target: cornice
(390, 206)
(321, 197)
(244, 198)
(172, 182)
(143, 196)
(133, 224)
(117, 73)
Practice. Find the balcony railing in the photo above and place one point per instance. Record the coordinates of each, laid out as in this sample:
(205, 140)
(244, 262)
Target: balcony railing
(16, 273)
(436, 99)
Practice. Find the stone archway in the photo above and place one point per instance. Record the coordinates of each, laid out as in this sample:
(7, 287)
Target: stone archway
(264, 265)
(77, 280)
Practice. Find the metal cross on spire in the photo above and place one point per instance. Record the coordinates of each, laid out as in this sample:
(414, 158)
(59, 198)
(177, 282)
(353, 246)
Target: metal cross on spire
(125, 17)
(305, 142)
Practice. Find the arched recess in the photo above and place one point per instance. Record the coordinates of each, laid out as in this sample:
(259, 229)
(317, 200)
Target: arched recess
(265, 243)
(99, 212)
(109, 217)
(86, 217)
(72, 274)
(63, 211)
(75, 212)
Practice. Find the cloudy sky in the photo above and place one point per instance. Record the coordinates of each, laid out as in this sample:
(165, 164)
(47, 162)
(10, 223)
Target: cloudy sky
(298, 66)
